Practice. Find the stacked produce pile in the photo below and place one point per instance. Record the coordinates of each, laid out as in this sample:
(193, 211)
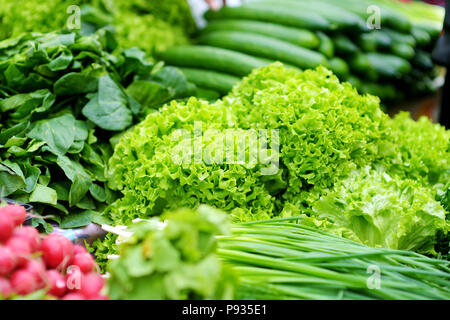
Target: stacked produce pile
(342, 163)
(38, 267)
(148, 25)
(391, 61)
(63, 96)
(196, 255)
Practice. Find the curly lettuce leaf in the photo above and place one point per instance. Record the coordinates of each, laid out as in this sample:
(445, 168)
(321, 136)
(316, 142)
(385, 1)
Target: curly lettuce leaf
(379, 210)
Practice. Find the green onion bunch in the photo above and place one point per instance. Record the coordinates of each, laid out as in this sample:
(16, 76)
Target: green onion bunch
(276, 259)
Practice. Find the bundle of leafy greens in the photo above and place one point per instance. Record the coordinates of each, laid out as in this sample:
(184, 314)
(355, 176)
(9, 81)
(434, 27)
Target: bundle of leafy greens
(22, 16)
(183, 256)
(333, 145)
(63, 96)
(149, 25)
(145, 24)
(173, 260)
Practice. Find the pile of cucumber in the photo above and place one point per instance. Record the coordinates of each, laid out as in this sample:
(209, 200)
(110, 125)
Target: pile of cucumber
(391, 62)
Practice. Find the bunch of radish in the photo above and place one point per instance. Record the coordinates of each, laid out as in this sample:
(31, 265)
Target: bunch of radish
(30, 262)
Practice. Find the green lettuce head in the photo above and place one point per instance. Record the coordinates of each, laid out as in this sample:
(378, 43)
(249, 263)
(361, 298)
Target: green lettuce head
(380, 210)
(325, 141)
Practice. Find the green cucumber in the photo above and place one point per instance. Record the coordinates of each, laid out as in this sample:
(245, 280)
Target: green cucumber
(265, 47)
(338, 17)
(220, 82)
(388, 17)
(339, 67)
(300, 37)
(359, 64)
(403, 50)
(207, 94)
(284, 16)
(431, 29)
(388, 65)
(344, 46)
(354, 81)
(386, 92)
(212, 58)
(422, 60)
(398, 37)
(326, 46)
(374, 41)
(422, 37)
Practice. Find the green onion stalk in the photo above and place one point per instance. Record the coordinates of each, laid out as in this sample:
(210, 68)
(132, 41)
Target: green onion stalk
(282, 260)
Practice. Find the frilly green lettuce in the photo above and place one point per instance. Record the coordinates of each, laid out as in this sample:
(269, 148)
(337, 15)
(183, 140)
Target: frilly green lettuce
(379, 210)
(424, 150)
(144, 170)
(336, 146)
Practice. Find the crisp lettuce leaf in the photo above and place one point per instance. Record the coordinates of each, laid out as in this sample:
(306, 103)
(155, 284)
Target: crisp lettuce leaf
(383, 211)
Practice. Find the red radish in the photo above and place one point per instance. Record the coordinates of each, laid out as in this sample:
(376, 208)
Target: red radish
(37, 268)
(73, 296)
(73, 278)
(57, 283)
(84, 261)
(16, 212)
(21, 249)
(8, 261)
(91, 285)
(79, 249)
(6, 227)
(5, 288)
(30, 234)
(23, 282)
(57, 251)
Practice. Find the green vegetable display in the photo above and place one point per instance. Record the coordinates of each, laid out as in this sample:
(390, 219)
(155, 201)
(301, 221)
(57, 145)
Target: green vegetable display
(389, 57)
(253, 161)
(333, 145)
(273, 259)
(62, 97)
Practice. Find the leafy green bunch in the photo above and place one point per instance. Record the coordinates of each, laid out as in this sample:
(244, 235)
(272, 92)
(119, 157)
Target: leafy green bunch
(326, 128)
(22, 16)
(151, 180)
(146, 24)
(63, 96)
(173, 260)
